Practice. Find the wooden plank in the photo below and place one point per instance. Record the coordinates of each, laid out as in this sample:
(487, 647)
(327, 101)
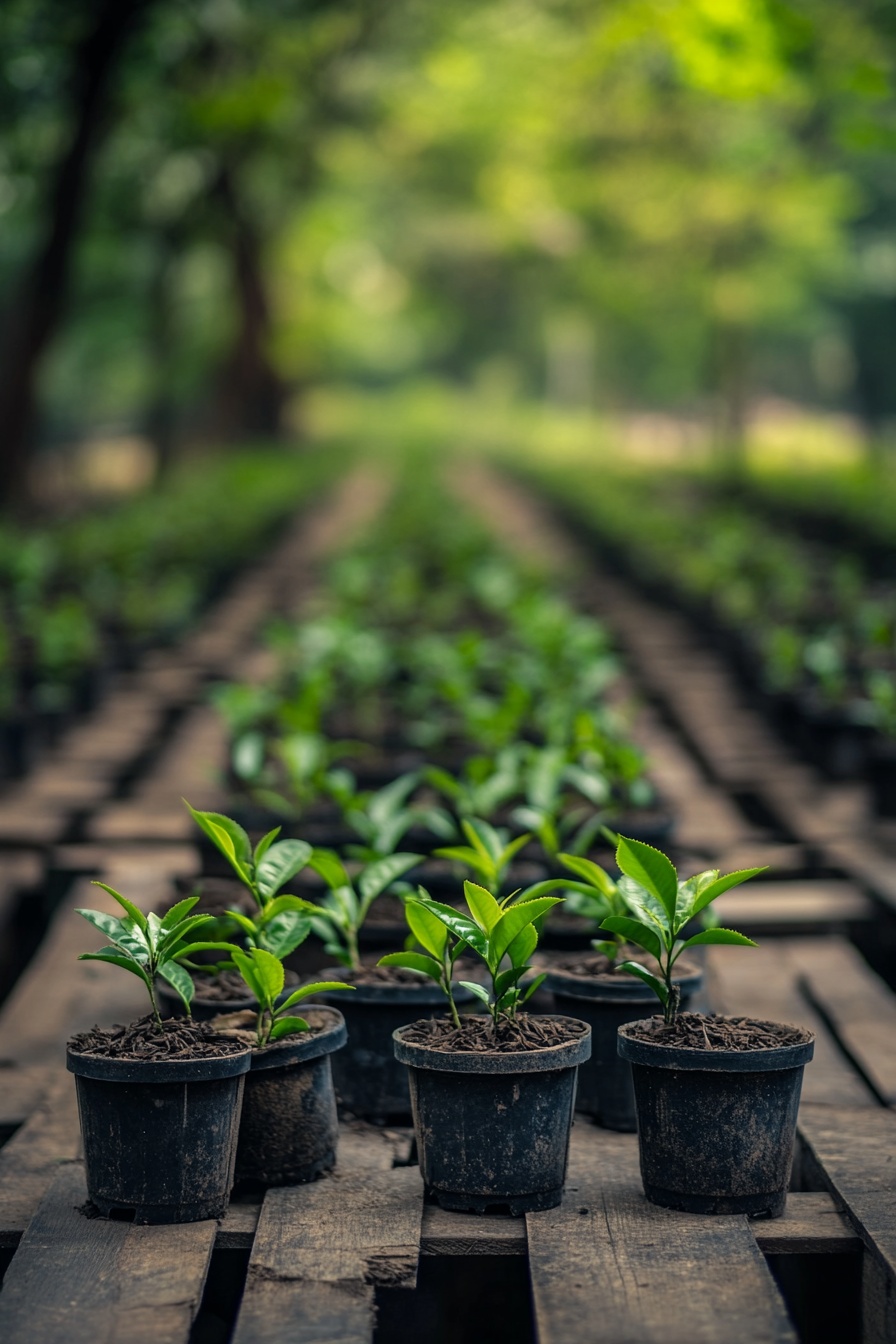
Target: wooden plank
(31, 1158)
(22, 1088)
(853, 1154)
(868, 865)
(607, 1266)
(824, 903)
(859, 1007)
(76, 1280)
(811, 1225)
(319, 1252)
(762, 982)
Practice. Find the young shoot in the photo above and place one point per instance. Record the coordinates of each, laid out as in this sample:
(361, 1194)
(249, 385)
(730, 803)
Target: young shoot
(660, 906)
(264, 977)
(148, 946)
(338, 918)
(488, 855)
(281, 923)
(440, 950)
(495, 930)
(594, 895)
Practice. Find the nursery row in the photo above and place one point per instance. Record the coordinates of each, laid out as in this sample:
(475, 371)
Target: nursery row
(438, 680)
(492, 1094)
(84, 597)
(809, 630)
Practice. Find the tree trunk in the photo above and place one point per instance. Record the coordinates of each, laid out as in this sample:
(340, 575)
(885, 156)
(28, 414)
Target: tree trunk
(251, 395)
(732, 365)
(36, 310)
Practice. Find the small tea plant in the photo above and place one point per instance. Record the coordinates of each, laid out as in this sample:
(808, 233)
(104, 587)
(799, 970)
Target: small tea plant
(440, 951)
(488, 855)
(492, 930)
(337, 920)
(264, 977)
(660, 905)
(148, 946)
(382, 819)
(281, 922)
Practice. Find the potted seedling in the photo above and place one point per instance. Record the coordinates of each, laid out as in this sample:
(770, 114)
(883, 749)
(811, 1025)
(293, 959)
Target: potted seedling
(289, 1126)
(369, 1081)
(278, 923)
(600, 988)
(492, 1094)
(159, 1100)
(716, 1097)
(488, 854)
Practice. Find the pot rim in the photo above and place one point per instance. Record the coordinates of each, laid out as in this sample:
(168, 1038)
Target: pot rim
(616, 989)
(424, 994)
(657, 1056)
(303, 1048)
(547, 1059)
(151, 1071)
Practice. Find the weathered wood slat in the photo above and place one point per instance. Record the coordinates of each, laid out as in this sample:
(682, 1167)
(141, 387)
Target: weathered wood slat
(781, 904)
(76, 1280)
(853, 1153)
(610, 1268)
(762, 982)
(319, 1252)
(29, 1161)
(860, 1008)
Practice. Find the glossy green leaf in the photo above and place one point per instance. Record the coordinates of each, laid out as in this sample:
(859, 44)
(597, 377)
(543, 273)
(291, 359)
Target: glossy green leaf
(129, 908)
(328, 866)
(513, 921)
(722, 884)
(376, 877)
(413, 961)
(307, 991)
(279, 865)
(117, 959)
(590, 871)
(428, 930)
(719, 936)
(479, 990)
(180, 980)
(642, 973)
(287, 1026)
(482, 906)
(652, 869)
(461, 925)
(119, 931)
(633, 931)
(178, 912)
(264, 845)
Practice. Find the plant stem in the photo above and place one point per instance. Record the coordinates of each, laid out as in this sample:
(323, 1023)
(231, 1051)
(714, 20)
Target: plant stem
(155, 1007)
(351, 946)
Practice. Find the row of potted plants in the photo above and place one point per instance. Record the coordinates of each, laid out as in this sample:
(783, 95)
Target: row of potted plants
(83, 597)
(248, 1096)
(808, 628)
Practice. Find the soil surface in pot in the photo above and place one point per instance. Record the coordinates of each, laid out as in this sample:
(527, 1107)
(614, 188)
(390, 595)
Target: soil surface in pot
(216, 895)
(142, 1040)
(400, 975)
(228, 985)
(477, 1035)
(696, 1031)
(590, 964)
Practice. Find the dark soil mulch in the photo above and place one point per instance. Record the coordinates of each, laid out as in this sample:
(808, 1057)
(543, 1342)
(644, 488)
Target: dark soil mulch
(178, 1039)
(477, 1035)
(216, 895)
(590, 964)
(696, 1031)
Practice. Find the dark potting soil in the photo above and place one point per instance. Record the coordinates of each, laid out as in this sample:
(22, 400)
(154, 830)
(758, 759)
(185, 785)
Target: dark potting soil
(216, 895)
(696, 1031)
(142, 1040)
(477, 1035)
(386, 975)
(227, 986)
(590, 964)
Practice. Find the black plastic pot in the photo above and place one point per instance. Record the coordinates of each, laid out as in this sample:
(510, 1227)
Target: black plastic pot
(881, 775)
(369, 1080)
(493, 1129)
(606, 1002)
(289, 1126)
(716, 1128)
(159, 1136)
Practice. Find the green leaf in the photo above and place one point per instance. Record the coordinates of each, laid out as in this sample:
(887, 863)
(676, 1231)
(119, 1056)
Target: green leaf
(482, 905)
(117, 959)
(284, 933)
(469, 857)
(119, 931)
(227, 835)
(652, 869)
(188, 949)
(246, 967)
(413, 961)
(635, 968)
(128, 906)
(264, 845)
(513, 848)
(523, 945)
(633, 931)
(532, 986)
(328, 866)
(286, 1026)
(512, 921)
(591, 872)
(719, 936)
(507, 979)
(461, 925)
(557, 884)
(183, 930)
(484, 838)
(281, 863)
(428, 930)
(479, 990)
(178, 912)
(248, 926)
(306, 991)
(297, 903)
(722, 884)
(376, 877)
(180, 980)
(644, 906)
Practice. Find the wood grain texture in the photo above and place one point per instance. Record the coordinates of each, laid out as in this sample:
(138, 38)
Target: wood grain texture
(75, 1280)
(857, 1004)
(320, 1250)
(762, 982)
(610, 1268)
